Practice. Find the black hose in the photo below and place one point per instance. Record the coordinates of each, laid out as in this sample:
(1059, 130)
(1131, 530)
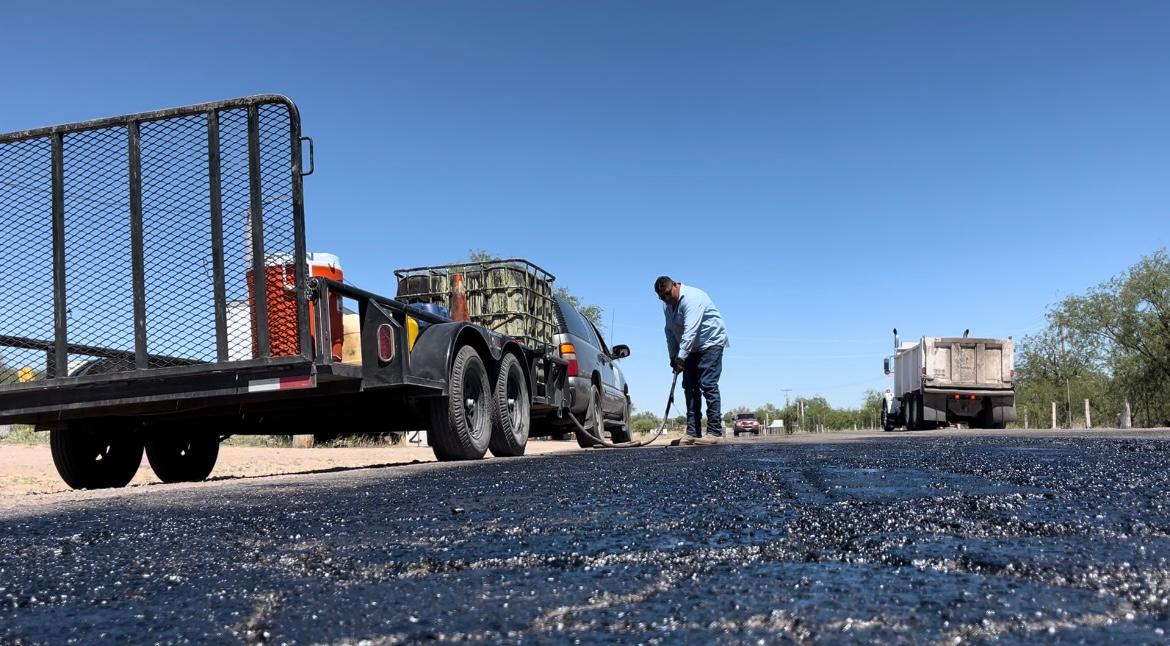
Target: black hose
(630, 445)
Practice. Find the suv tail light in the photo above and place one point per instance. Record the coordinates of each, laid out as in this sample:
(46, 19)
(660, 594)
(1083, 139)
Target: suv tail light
(569, 353)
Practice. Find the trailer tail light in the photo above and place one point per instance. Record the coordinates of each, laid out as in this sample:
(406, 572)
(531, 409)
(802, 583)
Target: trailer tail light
(385, 343)
(569, 353)
(957, 397)
(972, 397)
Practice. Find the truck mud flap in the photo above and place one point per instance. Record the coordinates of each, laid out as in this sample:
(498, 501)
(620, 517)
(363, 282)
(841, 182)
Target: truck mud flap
(1003, 410)
(934, 408)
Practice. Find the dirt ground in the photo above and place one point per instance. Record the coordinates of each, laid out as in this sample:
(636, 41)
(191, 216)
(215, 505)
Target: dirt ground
(27, 472)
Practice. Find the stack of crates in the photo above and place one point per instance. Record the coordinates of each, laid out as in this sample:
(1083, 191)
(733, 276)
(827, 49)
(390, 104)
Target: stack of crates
(513, 296)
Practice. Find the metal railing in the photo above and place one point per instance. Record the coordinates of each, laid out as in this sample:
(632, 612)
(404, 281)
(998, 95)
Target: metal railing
(512, 296)
(160, 239)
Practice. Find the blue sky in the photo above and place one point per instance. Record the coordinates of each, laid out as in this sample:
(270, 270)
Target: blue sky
(826, 171)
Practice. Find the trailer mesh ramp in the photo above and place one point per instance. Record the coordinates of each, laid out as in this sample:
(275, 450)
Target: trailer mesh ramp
(513, 296)
(135, 240)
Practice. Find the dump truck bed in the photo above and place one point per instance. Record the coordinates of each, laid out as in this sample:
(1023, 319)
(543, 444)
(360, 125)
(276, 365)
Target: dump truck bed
(957, 363)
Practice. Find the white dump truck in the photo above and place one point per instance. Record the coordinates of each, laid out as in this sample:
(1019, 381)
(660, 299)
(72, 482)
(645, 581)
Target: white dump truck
(940, 381)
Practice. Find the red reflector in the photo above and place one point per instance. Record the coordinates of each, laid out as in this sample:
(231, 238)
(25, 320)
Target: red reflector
(972, 397)
(956, 396)
(573, 367)
(385, 343)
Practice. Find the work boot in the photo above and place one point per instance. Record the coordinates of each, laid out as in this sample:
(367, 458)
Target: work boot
(709, 440)
(686, 440)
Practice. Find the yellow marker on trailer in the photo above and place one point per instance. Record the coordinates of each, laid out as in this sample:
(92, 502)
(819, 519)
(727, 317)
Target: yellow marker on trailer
(411, 333)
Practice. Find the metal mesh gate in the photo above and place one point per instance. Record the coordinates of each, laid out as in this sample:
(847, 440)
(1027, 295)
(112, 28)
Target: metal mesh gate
(159, 240)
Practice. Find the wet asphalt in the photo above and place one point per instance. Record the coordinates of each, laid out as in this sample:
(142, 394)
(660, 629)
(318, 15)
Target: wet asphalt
(950, 536)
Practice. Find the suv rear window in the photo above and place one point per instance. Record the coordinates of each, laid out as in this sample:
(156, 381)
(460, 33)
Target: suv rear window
(576, 324)
(746, 416)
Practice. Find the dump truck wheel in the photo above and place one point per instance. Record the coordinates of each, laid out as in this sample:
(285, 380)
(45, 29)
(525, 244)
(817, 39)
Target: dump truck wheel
(913, 414)
(461, 423)
(594, 421)
(182, 458)
(511, 419)
(95, 458)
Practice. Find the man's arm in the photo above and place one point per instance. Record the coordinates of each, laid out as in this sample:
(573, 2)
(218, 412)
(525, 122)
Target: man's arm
(692, 314)
(671, 342)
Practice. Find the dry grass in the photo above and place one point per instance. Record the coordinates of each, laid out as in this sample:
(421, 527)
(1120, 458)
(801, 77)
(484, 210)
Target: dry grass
(24, 434)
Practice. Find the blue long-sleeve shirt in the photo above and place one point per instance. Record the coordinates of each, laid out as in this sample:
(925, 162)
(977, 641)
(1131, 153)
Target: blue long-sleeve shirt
(694, 324)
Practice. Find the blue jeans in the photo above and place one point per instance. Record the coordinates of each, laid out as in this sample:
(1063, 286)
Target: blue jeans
(701, 372)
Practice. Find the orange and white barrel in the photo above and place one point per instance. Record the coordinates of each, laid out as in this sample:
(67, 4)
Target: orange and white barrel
(281, 300)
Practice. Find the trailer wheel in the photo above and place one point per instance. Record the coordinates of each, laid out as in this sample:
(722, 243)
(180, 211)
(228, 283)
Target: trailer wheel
(624, 433)
(511, 420)
(912, 413)
(462, 422)
(595, 421)
(183, 457)
(95, 458)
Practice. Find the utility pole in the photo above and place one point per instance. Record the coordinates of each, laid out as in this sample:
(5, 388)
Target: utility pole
(786, 391)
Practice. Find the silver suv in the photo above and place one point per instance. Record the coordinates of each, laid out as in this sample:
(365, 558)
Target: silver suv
(598, 395)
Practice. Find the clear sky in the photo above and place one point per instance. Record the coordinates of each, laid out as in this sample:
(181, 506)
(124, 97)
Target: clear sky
(825, 170)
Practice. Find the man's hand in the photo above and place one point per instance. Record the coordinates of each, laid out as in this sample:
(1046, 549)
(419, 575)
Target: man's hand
(677, 364)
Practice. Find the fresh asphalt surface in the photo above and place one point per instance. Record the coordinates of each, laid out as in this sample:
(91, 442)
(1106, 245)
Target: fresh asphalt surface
(902, 537)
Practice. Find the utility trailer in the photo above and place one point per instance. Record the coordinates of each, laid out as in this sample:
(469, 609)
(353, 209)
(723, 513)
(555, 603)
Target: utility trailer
(950, 380)
(163, 303)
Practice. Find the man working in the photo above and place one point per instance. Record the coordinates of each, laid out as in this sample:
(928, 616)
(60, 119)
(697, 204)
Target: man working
(695, 338)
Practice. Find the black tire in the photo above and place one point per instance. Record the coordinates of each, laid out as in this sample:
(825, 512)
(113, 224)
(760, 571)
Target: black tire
(182, 457)
(96, 458)
(912, 414)
(511, 414)
(623, 433)
(594, 421)
(461, 423)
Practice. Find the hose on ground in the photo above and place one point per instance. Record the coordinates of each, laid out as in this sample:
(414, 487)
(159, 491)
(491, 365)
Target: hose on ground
(601, 441)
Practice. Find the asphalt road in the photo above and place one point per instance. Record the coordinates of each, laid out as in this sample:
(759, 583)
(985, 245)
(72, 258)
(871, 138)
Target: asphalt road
(901, 537)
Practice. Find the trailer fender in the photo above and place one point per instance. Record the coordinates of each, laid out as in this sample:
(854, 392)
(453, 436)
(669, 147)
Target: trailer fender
(435, 349)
